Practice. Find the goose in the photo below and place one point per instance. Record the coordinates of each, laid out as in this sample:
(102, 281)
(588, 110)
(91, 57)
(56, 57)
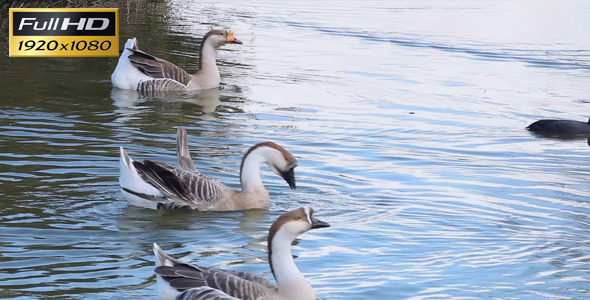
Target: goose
(138, 70)
(158, 185)
(560, 126)
(183, 281)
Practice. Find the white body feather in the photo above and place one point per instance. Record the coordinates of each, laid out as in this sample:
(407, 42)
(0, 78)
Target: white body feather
(126, 76)
(130, 179)
(165, 291)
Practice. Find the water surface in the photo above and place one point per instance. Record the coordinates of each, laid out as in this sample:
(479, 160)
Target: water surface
(407, 118)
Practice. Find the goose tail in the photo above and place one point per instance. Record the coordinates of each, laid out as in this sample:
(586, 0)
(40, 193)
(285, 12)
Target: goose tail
(162, 259)
(137, 191)
(126, 76)
(165, 290)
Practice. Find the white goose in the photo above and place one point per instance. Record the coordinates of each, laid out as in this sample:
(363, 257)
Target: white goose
(137, 70)
(159, 185)
(182, 281)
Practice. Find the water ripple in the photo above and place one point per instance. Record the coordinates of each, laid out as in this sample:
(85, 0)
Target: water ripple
(411, 144)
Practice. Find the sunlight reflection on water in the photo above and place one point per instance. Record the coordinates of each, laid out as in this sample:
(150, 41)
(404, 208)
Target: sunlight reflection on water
(410, 139)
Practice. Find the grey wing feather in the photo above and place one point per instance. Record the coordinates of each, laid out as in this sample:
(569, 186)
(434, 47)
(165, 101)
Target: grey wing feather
(152, 87)
(184, 155)
(201, 189)
(157, 67)
(204, 293)
(187, 276)
(255, 278)
(190, 188)
(156, 174)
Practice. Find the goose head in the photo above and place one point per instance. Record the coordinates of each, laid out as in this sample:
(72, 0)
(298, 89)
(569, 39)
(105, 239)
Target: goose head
(294, 223)
(280, 161)
(217, 37)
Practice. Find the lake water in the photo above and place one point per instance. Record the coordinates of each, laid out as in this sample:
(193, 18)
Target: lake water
(408, 119)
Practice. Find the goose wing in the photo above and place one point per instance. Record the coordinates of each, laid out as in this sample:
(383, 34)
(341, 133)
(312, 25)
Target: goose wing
(254, 278)
(158, 68)
(204, 293)
(183, 188)
(154, 86)
(241, 285)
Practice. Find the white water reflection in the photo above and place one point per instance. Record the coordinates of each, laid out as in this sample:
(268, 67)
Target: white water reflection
(407, 118)
(130, 103)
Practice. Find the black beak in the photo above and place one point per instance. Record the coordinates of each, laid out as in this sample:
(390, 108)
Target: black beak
(289, 177)
(315, 223)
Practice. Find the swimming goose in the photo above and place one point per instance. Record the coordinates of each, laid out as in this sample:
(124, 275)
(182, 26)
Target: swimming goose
(158, 185)
(137, 70)
(560, 126)
(180, 280)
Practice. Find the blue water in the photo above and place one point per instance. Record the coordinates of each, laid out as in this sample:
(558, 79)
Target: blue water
(408, 120)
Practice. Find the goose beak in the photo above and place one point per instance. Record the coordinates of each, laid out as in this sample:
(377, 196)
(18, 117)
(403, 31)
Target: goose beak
(231, 39)
(289, 177)
(315, 223)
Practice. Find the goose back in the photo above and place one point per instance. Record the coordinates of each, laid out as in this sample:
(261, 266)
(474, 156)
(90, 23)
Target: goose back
(158, 68)
(204, 293)
(184, 277)
(189, 188)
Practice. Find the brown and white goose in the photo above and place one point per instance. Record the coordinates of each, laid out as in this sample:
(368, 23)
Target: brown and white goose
(182, 281)
(158, 185)
(137, 70)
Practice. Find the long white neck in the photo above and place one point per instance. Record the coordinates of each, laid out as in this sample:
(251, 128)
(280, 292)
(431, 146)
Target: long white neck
(207, 63)
(291, 283)
(250, 172)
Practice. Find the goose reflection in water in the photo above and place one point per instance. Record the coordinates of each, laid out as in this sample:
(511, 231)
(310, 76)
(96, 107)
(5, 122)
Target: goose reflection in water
(130, 103)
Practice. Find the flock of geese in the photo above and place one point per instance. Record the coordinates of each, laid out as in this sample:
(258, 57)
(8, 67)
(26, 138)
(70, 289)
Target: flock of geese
(159, 185)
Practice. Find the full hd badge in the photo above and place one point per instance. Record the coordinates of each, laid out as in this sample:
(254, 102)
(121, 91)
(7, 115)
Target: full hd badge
(64, 32)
